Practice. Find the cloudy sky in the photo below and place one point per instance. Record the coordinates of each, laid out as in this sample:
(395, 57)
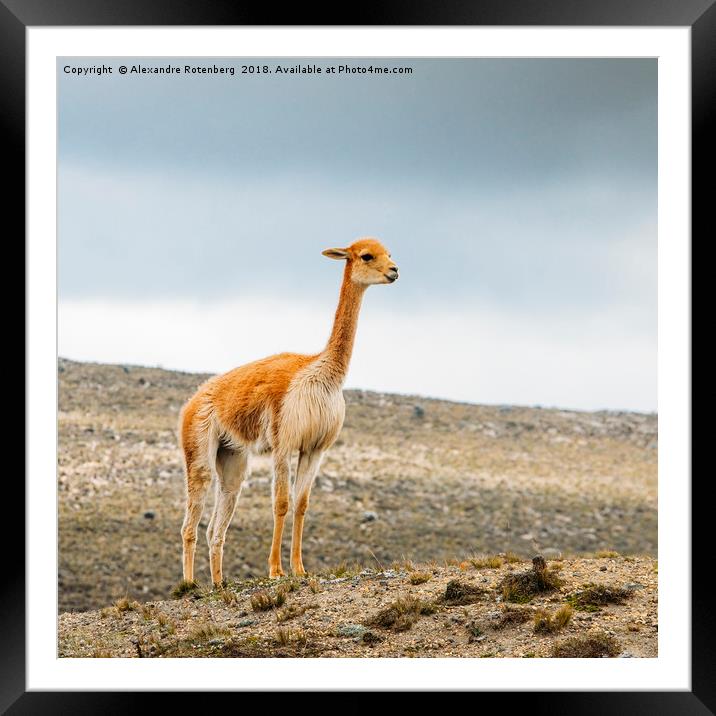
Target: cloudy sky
(518, 198)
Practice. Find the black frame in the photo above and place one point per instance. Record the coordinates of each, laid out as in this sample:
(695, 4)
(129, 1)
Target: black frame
(699, 15)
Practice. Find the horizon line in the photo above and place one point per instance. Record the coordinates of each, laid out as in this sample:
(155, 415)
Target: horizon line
(419, 396)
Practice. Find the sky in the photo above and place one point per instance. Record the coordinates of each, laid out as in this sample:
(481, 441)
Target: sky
(517, 196)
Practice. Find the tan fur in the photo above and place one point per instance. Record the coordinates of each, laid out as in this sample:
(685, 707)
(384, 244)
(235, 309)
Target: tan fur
(284, 403)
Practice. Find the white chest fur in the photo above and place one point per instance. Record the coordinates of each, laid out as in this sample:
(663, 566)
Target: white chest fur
(313, 411)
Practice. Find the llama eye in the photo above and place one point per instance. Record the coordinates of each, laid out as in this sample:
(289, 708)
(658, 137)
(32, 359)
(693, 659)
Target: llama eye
(367, 257)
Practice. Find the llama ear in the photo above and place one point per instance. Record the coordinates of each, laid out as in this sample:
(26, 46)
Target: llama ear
(335, 253)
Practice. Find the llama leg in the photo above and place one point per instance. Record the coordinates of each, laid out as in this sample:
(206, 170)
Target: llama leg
(231, 467)
(198, 480)
(308, 464)
(281, 474)
(212, 521)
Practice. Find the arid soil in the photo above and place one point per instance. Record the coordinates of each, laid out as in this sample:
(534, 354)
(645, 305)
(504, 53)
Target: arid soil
(409, 479)
(597, 607)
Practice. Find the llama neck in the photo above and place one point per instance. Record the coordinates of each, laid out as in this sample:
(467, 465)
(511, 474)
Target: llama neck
(338, 352)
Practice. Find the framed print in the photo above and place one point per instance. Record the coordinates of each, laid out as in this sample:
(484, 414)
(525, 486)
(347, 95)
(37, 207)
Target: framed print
(482, 384)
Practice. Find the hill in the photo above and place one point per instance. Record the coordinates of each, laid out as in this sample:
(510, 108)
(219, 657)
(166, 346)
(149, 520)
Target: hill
(409, 479)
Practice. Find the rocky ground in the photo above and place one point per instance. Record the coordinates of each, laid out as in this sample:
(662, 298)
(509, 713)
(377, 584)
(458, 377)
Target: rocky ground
(603, 606)
(409, 479)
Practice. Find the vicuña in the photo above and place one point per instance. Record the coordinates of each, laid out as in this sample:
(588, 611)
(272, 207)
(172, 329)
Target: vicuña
(281, 404)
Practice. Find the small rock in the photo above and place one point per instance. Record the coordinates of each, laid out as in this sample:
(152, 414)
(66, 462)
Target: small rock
(633, 585)
(418, 412)
(245, 623)
(149, 515)
(538, 563)
(354, 630)
(370, 638)
(626, 655)
(602, 569)
(369, 516)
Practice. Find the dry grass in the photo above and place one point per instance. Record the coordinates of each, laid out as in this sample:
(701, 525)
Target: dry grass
(164, 620)
(474, 631)
(290, 586)
(290, 612)
(183, 588)
(206, 631)
(594, 645)
(401, 614)
(419, 577)
(482, 562)
(101, 654)
(510, 616)
(294, 637)
(227, 596)
(263, 600)
(591, 597)
(457, 593)
(546, 623)
(124, 605)
(403, 565)
(346, 569)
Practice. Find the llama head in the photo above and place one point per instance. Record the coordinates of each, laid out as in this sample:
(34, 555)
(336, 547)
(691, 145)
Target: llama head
(368, 262)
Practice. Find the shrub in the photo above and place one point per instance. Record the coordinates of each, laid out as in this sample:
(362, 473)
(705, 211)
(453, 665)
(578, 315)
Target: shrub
(546, 623)
(419, 577)
(594, 645)
(263, 600)
(183, 588)
(401, 614)
(593, 596)
(523, 586)
(510, 616)
(457, 593)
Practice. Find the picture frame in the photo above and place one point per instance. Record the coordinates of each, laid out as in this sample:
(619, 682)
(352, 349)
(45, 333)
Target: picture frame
(17, 16)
